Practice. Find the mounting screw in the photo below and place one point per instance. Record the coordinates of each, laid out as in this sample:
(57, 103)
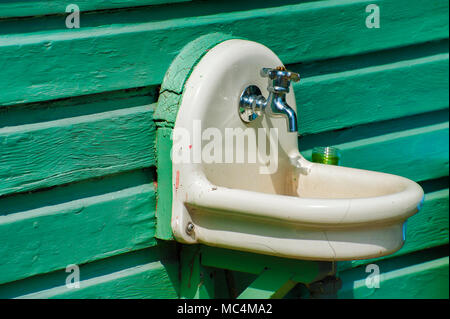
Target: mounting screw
(189, 228)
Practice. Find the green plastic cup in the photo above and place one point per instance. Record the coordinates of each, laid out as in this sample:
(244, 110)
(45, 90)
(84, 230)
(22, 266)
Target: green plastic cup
(326, 155)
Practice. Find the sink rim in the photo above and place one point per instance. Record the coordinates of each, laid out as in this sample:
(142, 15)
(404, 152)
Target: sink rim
(326, 212)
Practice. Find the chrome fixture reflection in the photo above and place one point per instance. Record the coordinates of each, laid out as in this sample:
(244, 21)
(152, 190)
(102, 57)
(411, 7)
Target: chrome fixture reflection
(252, 103)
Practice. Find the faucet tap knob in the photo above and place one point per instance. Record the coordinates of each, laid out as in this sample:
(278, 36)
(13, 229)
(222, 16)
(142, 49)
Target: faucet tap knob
(279, 78)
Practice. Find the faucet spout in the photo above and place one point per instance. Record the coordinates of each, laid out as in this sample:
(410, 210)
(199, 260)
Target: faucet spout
(280, 106)
(252, 103)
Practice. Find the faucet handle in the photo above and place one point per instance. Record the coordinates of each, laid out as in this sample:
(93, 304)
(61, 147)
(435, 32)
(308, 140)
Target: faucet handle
(280, 73)
(279, 79)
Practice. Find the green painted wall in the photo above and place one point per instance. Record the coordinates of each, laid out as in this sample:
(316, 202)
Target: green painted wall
(78, 135)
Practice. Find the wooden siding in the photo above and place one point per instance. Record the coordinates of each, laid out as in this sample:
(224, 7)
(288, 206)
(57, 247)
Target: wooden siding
(78, 136)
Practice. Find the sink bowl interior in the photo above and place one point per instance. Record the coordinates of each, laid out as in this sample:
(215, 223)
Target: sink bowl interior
(334, 182)
(321, 181)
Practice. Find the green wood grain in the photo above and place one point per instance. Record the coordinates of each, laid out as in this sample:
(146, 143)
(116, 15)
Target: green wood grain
(419, 153)
(144, 281)
(63, 151)
(408, 281)
(426, 229)
(339, 100)
(51, 237)
(40, 66)
(23, 8)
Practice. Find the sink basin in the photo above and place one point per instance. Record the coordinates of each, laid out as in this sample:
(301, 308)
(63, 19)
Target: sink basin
(245, 186)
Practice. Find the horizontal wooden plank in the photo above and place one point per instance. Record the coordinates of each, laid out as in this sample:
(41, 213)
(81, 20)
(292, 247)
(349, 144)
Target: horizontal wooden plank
(75, 232)
(164, 252)
(148, 281)
(427, 280)
(20, 8)
(419, 154)
(338, 100)
(76, 106)
(52, 153)
(428, 228)
(123, 56)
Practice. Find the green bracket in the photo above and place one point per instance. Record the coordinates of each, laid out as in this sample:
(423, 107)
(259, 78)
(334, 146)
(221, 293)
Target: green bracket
(196, 280)
(270, 284)
(276, 275)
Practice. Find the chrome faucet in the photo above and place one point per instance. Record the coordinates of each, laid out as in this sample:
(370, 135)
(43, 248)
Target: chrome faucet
(252, 103)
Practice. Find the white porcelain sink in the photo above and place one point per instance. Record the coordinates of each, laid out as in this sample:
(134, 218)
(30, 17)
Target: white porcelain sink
(286, 206)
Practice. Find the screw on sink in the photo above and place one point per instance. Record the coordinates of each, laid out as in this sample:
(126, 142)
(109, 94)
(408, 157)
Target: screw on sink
(189, 228)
